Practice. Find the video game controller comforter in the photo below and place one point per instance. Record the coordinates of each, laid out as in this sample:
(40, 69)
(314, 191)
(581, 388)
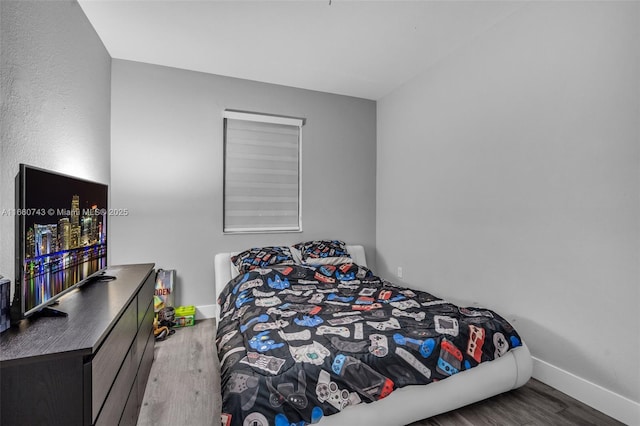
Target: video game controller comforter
(297, 343)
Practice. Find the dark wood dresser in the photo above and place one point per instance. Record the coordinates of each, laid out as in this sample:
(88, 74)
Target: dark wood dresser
(89, 368)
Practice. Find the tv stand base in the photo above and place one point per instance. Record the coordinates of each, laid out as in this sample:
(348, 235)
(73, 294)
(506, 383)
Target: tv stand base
(50, 312)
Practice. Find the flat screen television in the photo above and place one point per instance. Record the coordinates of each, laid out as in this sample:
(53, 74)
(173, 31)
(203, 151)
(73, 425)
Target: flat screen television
(61, 237)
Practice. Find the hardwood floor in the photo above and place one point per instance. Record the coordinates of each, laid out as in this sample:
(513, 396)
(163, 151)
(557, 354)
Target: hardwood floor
(533, 404)
(184, 390)
(184, 384)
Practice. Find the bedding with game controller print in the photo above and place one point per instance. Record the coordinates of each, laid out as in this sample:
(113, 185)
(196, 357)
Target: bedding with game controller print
(297, 343)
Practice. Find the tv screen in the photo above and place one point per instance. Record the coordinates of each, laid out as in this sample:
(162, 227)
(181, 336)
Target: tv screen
(61, 236)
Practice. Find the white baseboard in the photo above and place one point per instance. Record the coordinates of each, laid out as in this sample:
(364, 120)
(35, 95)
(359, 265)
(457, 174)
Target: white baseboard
(206, 311)
(604, 400)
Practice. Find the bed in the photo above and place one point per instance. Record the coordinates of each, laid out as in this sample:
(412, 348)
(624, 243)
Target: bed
(268, 378)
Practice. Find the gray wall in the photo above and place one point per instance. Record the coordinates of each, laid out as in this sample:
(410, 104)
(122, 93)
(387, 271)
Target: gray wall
(166, 168)
(508, 176)
(55, 89)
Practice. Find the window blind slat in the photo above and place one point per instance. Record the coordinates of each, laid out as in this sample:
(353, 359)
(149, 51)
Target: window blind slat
(259, 186)
(263, 213)
(241, 156)
(254, 172)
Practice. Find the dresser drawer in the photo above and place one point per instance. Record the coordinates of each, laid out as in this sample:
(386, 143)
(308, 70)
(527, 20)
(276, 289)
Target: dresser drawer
(145, 296)
(107, 361)
(145, 367)
(130, 413)
(145, 330)
(114, 406)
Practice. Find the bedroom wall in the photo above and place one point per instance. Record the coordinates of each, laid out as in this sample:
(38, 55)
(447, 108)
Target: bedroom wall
(508, 176)
(166, 168)
(55, 114)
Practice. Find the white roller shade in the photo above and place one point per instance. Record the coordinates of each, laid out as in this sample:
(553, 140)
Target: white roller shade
(262, 173)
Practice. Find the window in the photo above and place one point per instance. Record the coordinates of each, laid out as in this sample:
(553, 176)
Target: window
(262, 178)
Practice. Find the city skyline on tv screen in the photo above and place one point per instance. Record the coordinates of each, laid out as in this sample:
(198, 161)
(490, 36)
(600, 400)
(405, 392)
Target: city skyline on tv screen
(64, 233)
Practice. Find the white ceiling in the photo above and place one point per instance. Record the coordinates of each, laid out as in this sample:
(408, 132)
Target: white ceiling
(357, 48)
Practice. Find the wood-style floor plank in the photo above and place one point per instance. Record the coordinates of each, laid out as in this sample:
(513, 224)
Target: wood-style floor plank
(184, 384)
(533, 404)
(184, 390)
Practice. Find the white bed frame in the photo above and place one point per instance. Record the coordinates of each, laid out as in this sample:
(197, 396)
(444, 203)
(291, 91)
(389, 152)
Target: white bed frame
(412, 403)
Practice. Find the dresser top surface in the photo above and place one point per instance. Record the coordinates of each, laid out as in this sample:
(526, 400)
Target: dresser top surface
(92, 310)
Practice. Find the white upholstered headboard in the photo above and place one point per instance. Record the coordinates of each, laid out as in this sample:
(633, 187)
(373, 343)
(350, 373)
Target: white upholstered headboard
(224, 270)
